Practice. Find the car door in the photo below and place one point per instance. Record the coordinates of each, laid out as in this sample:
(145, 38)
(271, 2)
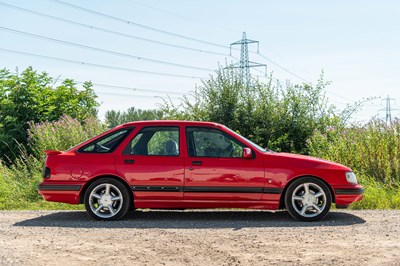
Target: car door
(152, 163)
(216, 170)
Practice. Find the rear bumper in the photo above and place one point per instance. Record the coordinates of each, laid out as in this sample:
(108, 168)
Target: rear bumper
(60, 192)
(347, 195)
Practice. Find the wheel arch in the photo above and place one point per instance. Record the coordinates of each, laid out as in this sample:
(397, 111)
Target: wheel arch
(121, 180)
(282, 198)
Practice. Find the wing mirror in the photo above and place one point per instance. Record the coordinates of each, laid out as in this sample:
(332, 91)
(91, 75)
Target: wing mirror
(247, 153)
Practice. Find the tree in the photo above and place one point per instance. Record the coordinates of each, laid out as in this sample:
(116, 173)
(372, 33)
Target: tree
(31, 97)
(115, 118)
(275, 117)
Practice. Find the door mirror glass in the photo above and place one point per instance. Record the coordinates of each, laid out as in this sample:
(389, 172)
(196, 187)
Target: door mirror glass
(247, 153)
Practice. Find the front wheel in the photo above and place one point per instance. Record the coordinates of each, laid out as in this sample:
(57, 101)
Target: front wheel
(107, 199)
(308, 199)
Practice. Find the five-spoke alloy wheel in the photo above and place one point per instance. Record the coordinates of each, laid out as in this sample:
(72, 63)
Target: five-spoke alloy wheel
(308, 199)
(107, 199)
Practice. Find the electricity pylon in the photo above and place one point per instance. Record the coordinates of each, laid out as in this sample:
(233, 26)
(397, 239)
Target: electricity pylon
(244, 64)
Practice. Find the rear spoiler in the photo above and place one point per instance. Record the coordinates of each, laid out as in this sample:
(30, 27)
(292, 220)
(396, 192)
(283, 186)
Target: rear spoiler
(52, 152)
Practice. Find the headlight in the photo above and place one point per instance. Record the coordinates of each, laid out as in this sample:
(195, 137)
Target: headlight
(351, 178)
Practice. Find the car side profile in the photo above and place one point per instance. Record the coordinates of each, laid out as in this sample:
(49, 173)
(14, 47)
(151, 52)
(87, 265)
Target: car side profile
(186, 165)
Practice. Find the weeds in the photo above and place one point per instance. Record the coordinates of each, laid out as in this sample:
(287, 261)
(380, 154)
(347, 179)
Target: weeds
(19, 180)
(372, 151)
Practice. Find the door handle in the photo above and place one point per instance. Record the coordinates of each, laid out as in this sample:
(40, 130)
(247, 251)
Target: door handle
(197, 162)
(129, 161)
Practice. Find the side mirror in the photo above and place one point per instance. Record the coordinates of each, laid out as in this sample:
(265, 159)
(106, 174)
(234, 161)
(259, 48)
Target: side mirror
(247, 153)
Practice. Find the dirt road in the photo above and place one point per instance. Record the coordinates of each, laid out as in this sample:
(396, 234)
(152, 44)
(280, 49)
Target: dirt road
(199, 238)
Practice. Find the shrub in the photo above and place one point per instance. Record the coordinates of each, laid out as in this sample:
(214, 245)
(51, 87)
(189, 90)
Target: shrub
(18, 182)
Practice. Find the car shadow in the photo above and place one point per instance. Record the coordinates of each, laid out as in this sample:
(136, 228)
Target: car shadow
(198, 219)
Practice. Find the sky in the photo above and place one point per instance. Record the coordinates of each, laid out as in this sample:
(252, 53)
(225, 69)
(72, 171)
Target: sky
(117, 43)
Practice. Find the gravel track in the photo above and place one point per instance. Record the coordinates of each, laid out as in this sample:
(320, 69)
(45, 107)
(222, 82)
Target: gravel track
(199, 237)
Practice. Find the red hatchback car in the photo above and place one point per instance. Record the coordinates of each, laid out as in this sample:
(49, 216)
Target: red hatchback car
(183, 165)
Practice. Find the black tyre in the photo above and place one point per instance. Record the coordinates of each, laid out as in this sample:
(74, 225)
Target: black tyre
(308, 199)
(107, 199)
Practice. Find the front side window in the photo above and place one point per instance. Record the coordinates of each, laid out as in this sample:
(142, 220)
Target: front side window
(210, 142)
(161, 141)
(107, 143)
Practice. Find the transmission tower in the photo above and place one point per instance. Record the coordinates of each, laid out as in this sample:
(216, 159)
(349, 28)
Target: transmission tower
(244, 64)
(388, 110)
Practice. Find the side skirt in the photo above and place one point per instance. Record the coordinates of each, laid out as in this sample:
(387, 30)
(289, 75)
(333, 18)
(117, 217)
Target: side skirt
(205, 204)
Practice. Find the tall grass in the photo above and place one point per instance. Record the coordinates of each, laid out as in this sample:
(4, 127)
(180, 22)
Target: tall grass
(19, 180)
(62, 134)
(373, 152)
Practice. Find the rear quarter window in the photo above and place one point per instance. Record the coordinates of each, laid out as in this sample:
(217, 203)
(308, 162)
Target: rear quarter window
(107, 143)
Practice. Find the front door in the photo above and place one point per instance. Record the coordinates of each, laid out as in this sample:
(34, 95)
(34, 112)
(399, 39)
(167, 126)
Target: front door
(153, 165)
(216, 170)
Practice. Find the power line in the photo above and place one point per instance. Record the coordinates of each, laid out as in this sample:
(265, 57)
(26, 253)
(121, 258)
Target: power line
(101, 50)
(282, 67)
(131, 88)
(110, 31)
(140, 38)
(184, 17)
(340, 96)
(97, 65)
(137, 37)
(133, 95)
(131, 23)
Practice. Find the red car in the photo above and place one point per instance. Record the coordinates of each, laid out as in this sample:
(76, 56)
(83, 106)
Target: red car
(183, 165)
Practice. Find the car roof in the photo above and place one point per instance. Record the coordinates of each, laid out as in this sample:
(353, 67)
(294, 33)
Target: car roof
(170, 122)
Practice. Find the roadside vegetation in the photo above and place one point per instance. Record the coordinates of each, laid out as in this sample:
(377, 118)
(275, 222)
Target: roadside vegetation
(36, 115)
(373, 152)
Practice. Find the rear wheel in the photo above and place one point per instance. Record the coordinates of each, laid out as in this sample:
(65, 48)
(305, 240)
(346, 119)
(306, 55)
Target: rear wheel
(308, 199)
(107, 199)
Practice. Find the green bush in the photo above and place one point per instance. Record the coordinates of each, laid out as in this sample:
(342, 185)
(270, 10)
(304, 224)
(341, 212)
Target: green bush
(295, 119)
(378, 195)
(32, 97)
(373, 152)
(62, 134)
(18, 181)
(281, 119)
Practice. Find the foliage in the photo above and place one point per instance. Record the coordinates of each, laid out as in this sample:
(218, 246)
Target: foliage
(30, 97)
(372, 150)
(278, 118)
(377, 195)
(18, 182)
(62, 134)
(115, 118)
(295, 119)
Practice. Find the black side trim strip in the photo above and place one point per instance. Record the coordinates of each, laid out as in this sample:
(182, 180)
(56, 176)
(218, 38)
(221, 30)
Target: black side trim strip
(157, 188)
(198, 189)
(271, 190)
(349, 191)
(60, 187)
(224, 189)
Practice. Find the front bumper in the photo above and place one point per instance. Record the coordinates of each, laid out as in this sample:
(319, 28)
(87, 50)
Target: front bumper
(344, 196)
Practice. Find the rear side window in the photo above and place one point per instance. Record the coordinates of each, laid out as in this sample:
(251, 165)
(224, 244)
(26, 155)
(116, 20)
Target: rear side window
(107, 143)
(158, 141)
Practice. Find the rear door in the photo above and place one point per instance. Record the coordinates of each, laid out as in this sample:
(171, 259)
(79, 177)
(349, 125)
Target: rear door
(152, 163)
(216, 170)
